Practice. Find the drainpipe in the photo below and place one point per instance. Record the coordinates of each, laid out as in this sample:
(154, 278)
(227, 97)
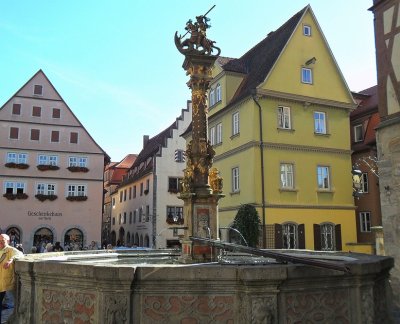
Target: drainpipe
(254, 95)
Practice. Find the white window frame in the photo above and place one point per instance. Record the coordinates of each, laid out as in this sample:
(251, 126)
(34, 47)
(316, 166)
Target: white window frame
(218, 93)
(365, 221)
(15, 185)
(235, 179)
(307, 30)
(212, 135)
(235, 123)
(358, 133)
(319, 122)
(74, 190)
(287, 175)
(77, 161)
(306, 75)
(212, 97)
(323, 177)
(43, 188)
(284, 121)
(17, 157)
(218, 137)
(44, 159)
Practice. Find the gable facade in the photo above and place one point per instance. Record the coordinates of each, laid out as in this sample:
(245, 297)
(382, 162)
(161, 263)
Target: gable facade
(51, 172)
(146, 201)
(281, 141)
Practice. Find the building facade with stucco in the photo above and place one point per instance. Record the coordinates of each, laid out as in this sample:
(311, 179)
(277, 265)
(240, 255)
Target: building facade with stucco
(51, 171)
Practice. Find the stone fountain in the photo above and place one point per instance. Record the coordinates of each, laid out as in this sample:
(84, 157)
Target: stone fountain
(202, 283)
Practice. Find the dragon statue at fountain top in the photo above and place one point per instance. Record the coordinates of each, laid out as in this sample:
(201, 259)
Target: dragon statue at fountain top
(197, 43)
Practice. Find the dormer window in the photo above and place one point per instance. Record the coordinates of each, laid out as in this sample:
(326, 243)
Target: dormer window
(306, 30)
(38, 90)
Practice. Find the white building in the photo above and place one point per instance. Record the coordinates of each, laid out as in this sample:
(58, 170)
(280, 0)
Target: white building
(147, 199)
(51, 170)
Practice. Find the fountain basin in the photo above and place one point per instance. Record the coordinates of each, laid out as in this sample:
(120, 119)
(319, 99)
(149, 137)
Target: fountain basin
(133, 287)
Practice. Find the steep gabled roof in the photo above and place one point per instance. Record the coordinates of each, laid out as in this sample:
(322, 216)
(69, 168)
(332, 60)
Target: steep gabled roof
(127, 161)
(259, 60)
(107, 158)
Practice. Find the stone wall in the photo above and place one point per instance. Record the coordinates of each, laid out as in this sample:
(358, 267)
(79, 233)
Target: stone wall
(53, 291)
(389, 182)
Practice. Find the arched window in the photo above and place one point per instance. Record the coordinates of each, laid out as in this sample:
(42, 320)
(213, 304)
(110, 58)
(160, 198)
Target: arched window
(137, 239)
(73, 239)
(42, 236)
(146, 241)
(121, 237)
(128, 239)
(15, 236)
(218, 93)
(113, 238)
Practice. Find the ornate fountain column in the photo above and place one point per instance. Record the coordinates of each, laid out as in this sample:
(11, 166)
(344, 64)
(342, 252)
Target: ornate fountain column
(201, 185)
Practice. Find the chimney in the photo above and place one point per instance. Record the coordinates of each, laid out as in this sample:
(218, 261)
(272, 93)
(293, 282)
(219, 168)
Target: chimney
(145, 140)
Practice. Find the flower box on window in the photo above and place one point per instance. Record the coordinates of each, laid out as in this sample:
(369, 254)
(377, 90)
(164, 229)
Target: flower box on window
(77, 198)
(11, 196)
(17, 165)
(45, 167)
(78, 169)
(42, 197)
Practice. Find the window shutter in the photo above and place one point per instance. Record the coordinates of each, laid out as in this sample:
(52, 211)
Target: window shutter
(38, 89)
(36, 111)
(16, 109)
(302, 236)
(338, 237)
(279, 115)
(278, 236)
(35, 134)
(55, 136)
(14, 132)
(73, 137)
(317, 237)
(56, 113)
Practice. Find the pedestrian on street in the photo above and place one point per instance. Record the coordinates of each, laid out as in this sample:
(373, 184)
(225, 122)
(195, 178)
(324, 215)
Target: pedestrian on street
(7, 256)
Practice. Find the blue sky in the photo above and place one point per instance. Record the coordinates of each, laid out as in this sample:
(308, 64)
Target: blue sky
(115, 62)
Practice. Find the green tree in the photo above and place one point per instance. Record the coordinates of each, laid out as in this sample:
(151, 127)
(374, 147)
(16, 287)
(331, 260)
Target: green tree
(247, 222)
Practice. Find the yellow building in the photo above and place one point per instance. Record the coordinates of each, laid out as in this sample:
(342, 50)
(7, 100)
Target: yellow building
(279, 124)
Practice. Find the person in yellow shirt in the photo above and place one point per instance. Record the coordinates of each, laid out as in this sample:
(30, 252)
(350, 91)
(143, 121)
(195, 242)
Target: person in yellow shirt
(7, 256)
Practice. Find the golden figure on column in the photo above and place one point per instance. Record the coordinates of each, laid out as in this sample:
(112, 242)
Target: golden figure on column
(201, 189)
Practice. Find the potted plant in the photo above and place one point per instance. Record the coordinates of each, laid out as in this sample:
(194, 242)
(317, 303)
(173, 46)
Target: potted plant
(45, 167)
(16, 165)
(77, 169)
(77, 198)
(42, 197)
